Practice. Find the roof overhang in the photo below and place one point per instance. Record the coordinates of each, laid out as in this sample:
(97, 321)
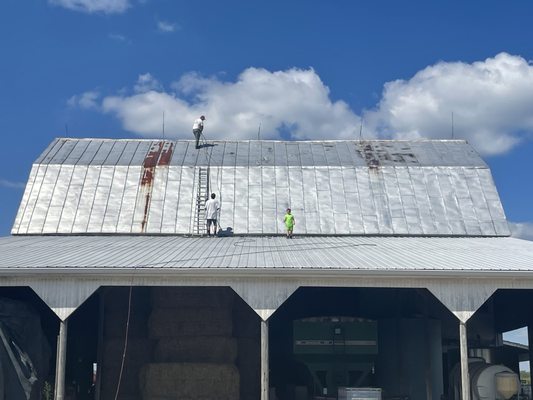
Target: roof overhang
(461, 272)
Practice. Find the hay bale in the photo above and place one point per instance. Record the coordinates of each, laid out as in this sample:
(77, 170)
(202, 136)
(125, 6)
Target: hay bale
(117, 298)
(169, 323)
(181, 297)
(250, 382)
(249, 364)
(190, 380)
(138, 353)
(248, 352)
(115, 324)
(204, 349)
(193, 314)
(129, 385)
(130, 396)
(246, 322)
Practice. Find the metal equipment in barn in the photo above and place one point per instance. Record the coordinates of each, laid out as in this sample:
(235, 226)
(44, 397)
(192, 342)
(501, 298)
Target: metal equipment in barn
(337, 351)
(487, 381)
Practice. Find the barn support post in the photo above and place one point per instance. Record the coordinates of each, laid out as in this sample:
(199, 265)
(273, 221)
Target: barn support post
(264, 361)
(465, 376)
(61, 361)
(530, 342)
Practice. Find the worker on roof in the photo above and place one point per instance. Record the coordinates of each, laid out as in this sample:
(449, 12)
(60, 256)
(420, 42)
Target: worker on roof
(197, 129)
(289, 223)
(211, 210)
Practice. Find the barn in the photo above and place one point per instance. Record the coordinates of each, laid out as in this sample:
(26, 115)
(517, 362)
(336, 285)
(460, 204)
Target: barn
(398, 284)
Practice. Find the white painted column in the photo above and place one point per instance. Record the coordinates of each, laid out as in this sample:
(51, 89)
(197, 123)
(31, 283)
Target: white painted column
(61, 361)
(465, 376)
(264, 361)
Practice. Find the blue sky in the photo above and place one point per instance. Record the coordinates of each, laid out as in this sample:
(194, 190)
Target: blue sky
(301, 69)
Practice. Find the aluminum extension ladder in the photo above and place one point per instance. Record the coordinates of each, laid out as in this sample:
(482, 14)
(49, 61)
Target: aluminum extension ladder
(202, 193)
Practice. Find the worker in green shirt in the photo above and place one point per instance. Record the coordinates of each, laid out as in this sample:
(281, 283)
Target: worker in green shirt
(289, 223)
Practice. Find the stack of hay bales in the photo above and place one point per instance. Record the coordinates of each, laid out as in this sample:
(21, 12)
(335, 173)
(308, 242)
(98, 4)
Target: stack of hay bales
(139, 349)
(247, 331)
(194, 355)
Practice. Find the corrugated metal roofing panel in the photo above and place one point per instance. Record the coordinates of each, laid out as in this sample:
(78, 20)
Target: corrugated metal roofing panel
(55, 144)
(393, 187)
(127, 154)
(116, 193)
(129, 197)
(276, 253)
(116, 153)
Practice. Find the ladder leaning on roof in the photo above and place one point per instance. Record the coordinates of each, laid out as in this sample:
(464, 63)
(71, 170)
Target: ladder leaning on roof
(202, 193)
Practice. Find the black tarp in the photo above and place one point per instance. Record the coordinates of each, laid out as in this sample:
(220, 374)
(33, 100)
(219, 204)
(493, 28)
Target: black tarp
(24, 352)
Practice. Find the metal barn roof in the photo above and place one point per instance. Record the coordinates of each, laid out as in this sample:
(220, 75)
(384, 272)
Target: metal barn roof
(99, 255)
(423, 187)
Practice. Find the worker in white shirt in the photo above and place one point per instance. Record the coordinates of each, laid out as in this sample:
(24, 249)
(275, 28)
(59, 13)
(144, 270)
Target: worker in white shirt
(211, 210)
(197, 129)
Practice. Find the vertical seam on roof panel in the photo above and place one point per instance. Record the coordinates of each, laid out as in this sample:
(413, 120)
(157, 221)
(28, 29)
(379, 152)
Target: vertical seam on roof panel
(343, 189)
(476, 210)
(275, 216)
(344, 197)
(492, 217)
(179, 186)
(397, 182)
(57, 141)
(98, 183)
(408, 169)
(150, 144)
(456, 200)
(29, 190)
(462, 172)
(53, 152)
(313, 168)
(218, 183)
(234, 186)
(83, 185)
(178, 199)
(24, 200)
(193, 206)
(261, 186)
(165, 193)
(288, 189)
(125, 184)
(37, 198)
(247, 169)
(111, 185)
(446, 216)
(70, 181)
(64, 200)
(423, 170)
(359, 208)
(47, 151)
(53, 191)
(330, 192)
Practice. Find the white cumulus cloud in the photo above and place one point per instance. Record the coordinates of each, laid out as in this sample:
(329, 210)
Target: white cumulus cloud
(146, 82)
(94, 6)
(522, 230)
(294, 103)
(491, 102)
(86, 101)
(166, 27)
(118, 37)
